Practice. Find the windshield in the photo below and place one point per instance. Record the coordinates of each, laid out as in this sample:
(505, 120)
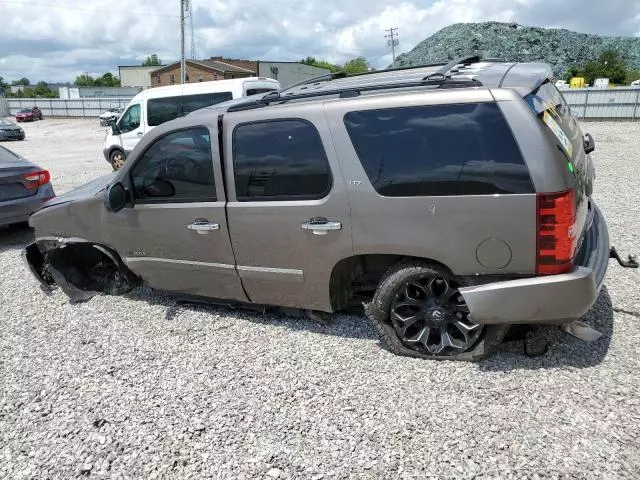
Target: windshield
(25, 110)
(4, 121)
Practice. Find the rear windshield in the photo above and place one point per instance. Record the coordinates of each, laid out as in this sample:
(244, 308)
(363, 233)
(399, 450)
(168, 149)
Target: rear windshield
(438, 150)
(550, 106)
(161, 110)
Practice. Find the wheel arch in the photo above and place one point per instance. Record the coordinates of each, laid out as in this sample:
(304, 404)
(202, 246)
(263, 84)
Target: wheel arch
(361, 274)
(60, 261)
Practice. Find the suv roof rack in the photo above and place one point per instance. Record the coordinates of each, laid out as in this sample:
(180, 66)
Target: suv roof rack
(441, 78)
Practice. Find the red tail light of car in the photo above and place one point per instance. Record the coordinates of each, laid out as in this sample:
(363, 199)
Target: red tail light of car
(36, 179)
(555, 237)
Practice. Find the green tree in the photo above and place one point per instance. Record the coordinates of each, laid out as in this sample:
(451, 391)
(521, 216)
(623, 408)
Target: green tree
(43, 90)
(357, 65)
(608, 65)
(84, 80)
(23, 81)
(320, 63)
(107, 80)
(152, 61)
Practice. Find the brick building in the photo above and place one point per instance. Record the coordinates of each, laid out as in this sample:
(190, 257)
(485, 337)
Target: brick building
(198, 71)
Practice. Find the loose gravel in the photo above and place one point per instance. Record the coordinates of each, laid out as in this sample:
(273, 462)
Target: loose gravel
(144, 387)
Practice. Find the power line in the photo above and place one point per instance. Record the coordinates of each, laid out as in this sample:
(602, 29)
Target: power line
(68, 7)
(393, 41)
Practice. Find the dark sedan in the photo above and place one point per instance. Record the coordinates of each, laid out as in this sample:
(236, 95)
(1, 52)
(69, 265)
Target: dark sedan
(29, 114)
(24, 187)
(10, 131)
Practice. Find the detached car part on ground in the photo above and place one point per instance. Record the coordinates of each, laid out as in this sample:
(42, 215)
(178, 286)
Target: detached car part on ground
(24, 188)
(452, 209)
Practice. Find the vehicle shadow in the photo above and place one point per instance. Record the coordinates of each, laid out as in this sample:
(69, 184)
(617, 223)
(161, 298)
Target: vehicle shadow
(15, 237)
(347, 324)
(562, 349)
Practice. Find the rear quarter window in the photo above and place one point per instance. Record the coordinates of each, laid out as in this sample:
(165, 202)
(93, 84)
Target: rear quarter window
(438, 150)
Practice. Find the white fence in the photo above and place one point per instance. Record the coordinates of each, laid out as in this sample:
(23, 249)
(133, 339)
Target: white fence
(619, 103)
(57, 107)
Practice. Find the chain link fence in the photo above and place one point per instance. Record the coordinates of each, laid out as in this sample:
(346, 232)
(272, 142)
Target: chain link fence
(57, 107)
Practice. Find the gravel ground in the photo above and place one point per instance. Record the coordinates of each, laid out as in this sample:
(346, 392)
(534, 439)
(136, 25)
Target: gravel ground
(143, 387)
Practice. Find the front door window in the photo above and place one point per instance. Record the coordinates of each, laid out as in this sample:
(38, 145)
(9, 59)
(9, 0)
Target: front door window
(130, 120)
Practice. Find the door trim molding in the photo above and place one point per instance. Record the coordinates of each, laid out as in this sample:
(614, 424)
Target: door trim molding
(286, 271)
(180, 262)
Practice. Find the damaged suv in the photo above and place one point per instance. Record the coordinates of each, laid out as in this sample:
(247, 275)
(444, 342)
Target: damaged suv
(452, 200)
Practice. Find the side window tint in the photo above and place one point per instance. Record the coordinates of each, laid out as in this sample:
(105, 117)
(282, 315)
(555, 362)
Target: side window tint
(176, 168)
(161, 110)
(280, 160)
(256, 91)
(191, 103)
(438, 150)
(131, 119)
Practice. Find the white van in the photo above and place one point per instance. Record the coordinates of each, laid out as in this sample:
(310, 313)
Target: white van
(154, 106)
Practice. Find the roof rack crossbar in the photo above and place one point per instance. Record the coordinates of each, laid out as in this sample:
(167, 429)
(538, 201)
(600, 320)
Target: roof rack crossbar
(349, 92)
(445, 69)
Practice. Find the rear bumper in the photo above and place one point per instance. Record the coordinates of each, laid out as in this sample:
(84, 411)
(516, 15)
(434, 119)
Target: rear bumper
(19, 210)
(554, 299)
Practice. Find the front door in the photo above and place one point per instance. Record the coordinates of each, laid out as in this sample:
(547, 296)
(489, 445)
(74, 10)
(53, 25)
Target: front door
(130, 127)
(176, 237)
(288, 210)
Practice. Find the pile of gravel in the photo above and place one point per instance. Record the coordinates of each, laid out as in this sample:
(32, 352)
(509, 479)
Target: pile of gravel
(144, 387)
(560, 48)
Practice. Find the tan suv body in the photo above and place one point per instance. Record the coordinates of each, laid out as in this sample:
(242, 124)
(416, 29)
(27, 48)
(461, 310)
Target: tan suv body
(452, 200)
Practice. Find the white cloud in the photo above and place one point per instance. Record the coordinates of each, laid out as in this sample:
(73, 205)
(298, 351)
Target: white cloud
(55, 40)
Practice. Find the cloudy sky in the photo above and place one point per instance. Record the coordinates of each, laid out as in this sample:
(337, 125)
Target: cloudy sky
(55, 40)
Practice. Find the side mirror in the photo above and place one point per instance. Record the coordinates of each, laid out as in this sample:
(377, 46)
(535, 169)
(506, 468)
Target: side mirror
(114, 127)
(589, 144)
(116, 197)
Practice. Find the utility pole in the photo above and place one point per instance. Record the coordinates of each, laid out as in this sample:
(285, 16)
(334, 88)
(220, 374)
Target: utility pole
(193, 32)
(183, 64)
(393, 41)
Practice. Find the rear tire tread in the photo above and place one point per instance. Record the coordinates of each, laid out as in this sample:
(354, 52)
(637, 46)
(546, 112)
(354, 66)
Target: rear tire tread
(377, 312)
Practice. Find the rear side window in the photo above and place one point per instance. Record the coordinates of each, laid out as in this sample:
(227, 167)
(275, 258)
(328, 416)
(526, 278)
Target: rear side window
(438, 150)
(161, 110)
(256, 91)
(280, 160)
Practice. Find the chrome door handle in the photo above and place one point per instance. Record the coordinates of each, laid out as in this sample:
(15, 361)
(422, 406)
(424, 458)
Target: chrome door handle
(203, 227)
(140, 134)
(321, 226)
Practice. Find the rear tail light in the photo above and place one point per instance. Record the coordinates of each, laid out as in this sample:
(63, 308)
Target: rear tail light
(36, 179)
(555, 237)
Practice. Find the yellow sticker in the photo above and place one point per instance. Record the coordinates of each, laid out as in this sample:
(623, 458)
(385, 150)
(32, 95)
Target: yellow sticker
(560, 135)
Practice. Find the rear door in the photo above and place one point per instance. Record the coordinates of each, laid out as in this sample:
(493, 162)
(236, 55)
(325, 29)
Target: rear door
(176, 237)
(288, 210)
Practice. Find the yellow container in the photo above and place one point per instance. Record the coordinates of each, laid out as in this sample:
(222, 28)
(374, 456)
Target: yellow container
(576, 82)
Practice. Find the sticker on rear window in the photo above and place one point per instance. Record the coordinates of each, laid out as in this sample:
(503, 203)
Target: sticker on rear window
(560, 135)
